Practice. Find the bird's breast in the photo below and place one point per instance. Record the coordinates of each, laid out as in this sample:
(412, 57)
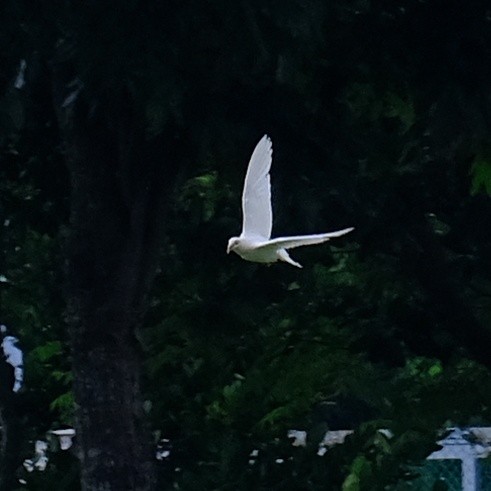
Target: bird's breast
(250, 250)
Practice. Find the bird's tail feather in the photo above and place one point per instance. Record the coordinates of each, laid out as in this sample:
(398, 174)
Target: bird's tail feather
(284, 256)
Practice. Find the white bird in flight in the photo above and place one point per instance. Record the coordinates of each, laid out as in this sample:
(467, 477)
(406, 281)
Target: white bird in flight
(255, 243)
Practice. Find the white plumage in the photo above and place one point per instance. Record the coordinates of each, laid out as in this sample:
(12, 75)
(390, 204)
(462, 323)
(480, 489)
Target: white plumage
(255, 243)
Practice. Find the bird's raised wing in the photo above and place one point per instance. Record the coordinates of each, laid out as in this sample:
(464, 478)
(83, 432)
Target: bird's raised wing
(256, 197)
(302, 240)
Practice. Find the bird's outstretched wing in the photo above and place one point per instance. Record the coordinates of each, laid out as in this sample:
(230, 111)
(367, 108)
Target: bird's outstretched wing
(302, 240)
(256, 197)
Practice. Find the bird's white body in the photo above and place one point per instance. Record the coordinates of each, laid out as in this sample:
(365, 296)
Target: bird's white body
(255, 243)
(250, 250)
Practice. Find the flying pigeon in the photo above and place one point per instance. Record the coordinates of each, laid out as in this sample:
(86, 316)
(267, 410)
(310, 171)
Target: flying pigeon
(255, 243)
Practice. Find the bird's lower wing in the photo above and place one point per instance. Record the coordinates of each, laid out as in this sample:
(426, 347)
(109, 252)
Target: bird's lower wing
(303, 240)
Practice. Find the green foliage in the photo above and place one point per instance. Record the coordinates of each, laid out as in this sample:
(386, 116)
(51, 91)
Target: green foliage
(481, 175)
(360, 472)
(366, 104)
(64, 404)
(200, 195)
(31, 213)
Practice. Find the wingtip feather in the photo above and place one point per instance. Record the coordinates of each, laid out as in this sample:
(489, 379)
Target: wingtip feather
(344, 231)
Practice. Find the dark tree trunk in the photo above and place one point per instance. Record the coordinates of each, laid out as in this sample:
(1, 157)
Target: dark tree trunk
(118, 197)
(115, 453)
(11, 429)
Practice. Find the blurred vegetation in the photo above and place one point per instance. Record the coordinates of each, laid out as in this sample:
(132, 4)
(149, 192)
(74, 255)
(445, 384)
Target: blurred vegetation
(379, 116)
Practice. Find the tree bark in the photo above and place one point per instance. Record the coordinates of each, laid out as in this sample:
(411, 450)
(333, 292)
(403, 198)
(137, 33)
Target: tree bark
(11, 430)
(118, 195)
(114, 442)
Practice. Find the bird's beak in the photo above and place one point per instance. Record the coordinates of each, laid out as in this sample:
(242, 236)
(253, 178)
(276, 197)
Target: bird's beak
(228, 249)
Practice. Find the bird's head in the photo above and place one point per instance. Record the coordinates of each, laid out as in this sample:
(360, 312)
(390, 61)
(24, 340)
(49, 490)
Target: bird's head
(232, 244)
